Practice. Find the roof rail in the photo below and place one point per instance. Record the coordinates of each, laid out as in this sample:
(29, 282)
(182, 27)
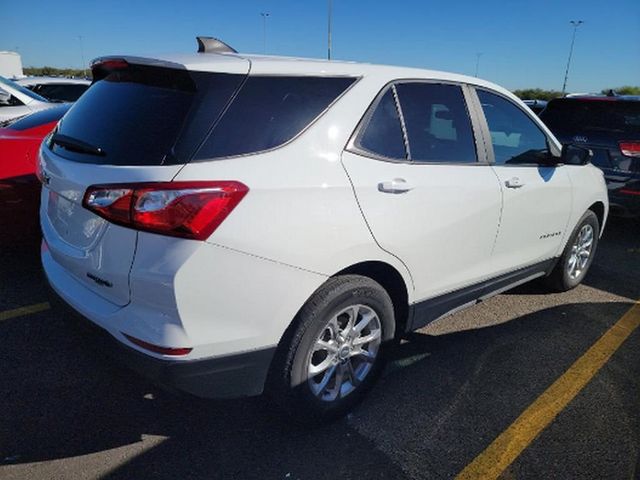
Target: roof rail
(213, 45)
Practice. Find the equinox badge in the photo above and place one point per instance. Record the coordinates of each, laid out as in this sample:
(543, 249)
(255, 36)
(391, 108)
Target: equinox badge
(100, 281)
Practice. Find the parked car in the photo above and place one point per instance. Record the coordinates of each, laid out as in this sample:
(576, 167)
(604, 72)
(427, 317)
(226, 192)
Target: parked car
(19, 188)
(56, 88)
(610, 127)
(17, 101)
(234, 223)
(537, 106)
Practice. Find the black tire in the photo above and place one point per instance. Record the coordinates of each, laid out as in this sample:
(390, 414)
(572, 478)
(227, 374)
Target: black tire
(560, 279)
(290, 383)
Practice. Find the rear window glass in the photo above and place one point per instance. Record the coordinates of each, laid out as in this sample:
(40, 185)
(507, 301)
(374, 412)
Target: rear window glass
(270, 111)
(146, 115)
(40, 118)
(605, 115)
(65, 93)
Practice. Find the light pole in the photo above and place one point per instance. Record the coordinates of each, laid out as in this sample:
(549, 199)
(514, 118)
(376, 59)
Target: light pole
(84, 70)
(478, 55)
(329, 15)
(576, 24)
(264, 31)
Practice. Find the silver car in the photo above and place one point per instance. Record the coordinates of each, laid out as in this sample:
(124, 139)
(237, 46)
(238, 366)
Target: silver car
(18, 101)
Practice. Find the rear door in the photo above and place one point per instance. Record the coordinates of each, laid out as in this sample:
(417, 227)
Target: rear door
(424, 187)
(536, 198)
(137, 123)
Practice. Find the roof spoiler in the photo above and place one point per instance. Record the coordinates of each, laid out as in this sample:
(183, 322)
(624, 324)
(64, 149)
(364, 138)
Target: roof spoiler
(213, 45)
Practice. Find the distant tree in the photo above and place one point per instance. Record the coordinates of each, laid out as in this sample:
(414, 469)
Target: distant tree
(54, 72)
(537, 94)
(625, 90)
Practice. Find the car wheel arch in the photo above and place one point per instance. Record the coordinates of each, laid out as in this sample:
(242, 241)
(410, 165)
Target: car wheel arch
(599, 210)
(388, 277)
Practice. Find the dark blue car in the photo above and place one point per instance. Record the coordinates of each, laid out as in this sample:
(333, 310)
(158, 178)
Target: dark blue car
(610, 127)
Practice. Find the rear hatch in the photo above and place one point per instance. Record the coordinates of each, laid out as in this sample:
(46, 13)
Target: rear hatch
(140, 122)
(602, 124)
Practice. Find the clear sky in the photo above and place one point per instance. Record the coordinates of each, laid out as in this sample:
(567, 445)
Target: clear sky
(523, 43)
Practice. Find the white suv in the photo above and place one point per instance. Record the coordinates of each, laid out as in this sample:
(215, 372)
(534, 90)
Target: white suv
(243, 223)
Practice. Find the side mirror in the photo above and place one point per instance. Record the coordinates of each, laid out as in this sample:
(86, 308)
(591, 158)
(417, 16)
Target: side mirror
(4, 97)
(575, 155)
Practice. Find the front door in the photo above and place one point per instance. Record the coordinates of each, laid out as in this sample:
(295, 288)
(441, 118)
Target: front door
(536, 196)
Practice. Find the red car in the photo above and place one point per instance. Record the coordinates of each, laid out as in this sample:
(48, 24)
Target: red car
(19, 187)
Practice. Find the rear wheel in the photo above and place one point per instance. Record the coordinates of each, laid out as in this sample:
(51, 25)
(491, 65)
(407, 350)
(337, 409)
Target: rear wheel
(335, 351)
(577, 255)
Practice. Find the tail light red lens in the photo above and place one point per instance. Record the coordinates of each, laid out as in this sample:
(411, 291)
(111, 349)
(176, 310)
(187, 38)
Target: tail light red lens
(158, 349)
(179, 209)
(630, 149)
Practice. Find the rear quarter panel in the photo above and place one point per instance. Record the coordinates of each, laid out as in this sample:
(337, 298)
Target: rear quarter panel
(589, 187)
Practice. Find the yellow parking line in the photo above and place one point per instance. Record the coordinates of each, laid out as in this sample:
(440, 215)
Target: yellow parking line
(18, 312)
(509, 445)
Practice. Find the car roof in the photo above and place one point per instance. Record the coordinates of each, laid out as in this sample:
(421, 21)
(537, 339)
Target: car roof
(49, 80)
(278, 65)
(600, 97)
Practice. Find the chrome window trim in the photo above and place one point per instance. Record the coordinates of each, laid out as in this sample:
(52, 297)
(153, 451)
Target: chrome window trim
(403, 125)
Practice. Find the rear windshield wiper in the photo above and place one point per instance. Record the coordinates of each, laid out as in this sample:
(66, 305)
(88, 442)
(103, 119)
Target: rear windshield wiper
(76, 145)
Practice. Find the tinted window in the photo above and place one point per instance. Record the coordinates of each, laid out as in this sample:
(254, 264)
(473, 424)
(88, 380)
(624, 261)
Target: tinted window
(65, 93)
(383, 134)
(146, 115)
(270, 111)
(572, 115)
(40, 118)
(437, 122)
(515, 137)
(21, 89)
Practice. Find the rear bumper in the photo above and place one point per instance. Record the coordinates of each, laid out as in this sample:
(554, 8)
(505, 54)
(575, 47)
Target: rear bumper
(230, 376)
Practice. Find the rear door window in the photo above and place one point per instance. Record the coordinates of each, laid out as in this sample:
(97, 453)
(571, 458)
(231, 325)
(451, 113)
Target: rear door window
(437, 122)
(269, 111)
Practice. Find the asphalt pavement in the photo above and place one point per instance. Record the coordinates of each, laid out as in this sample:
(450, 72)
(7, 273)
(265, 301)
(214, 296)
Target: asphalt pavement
(453, 388)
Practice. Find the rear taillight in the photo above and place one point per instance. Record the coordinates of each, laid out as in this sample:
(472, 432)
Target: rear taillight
(179, 209)
(157, 348)
(630, 149)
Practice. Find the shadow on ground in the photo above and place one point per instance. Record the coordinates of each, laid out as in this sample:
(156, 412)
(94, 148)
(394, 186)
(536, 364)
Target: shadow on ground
(451, 393)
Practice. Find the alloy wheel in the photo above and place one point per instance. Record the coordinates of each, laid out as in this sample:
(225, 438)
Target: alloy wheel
(580, 252)
(344, 352)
